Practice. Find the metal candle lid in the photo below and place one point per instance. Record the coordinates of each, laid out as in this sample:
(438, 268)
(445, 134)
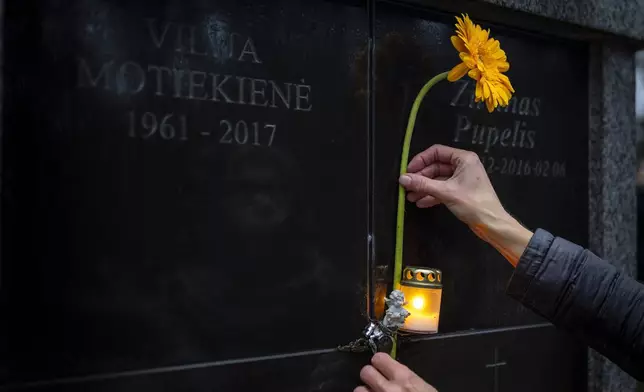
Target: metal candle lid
(422, 277)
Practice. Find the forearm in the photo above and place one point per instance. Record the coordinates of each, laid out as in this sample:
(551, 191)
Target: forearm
(505, 234)
(578, 291)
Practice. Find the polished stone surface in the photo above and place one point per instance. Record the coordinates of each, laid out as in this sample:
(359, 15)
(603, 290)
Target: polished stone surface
(325, 372)
(531, 360)
(535, 151)
(183, 182)
(147, 229)
(613, 206)
(615, 17)
(623, 17)
(481, 360)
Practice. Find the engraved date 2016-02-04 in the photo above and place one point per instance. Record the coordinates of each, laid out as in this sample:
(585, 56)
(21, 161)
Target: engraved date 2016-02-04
(171, 126)
(523, 167)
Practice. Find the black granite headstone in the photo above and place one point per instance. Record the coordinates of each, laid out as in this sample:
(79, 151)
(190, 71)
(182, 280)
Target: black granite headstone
(535, 151)
(324, 372)
(176, 183)
(191, 191)
(532, 359)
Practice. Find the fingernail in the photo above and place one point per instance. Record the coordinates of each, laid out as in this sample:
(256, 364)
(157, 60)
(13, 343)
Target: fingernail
(404, 180)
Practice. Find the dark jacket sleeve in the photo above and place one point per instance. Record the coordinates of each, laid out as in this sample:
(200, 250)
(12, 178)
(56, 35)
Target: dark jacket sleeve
(579, 292)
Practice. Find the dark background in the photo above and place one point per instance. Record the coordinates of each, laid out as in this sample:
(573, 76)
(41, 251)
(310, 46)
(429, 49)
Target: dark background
(121, 254)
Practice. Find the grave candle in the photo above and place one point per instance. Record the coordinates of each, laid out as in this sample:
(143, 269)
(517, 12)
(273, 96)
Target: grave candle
(422, 288)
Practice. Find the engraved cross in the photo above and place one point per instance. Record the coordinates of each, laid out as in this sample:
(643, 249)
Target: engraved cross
(495, 365)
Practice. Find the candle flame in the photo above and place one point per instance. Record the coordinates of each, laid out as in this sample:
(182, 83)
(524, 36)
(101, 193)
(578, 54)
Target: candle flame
(418, 302)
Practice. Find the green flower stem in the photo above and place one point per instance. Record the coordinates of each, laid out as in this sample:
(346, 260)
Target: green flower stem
(404, 162)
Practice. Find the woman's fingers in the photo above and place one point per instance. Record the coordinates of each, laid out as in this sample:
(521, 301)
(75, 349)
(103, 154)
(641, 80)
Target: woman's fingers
(374, 379)
(438, 170)
(436, 153)
(389, 367)
(415, 197)
(427, 202)
(389, 375)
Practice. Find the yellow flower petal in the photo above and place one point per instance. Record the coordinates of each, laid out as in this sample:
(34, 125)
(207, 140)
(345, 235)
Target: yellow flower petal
(483, 60)
(457, 72)
(506, 81)
(498, 55)
(479, 91)
(484, 35)
(504, 96)
(490, 105)
(467, 59)
(492, 45)
(486, 89)
(474, 74)
(458, 43)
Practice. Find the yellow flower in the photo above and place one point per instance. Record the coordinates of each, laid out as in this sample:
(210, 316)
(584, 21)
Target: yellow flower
(484, 61)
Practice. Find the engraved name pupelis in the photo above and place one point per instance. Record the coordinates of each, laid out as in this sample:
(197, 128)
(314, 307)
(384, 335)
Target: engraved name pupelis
(206, 85)
(514, 135)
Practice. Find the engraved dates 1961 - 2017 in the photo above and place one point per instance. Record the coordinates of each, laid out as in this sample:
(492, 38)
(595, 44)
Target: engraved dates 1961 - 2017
(171, 126)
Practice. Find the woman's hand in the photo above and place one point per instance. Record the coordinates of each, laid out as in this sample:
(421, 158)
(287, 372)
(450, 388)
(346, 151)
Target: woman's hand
(385, 374)
(457, 179)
